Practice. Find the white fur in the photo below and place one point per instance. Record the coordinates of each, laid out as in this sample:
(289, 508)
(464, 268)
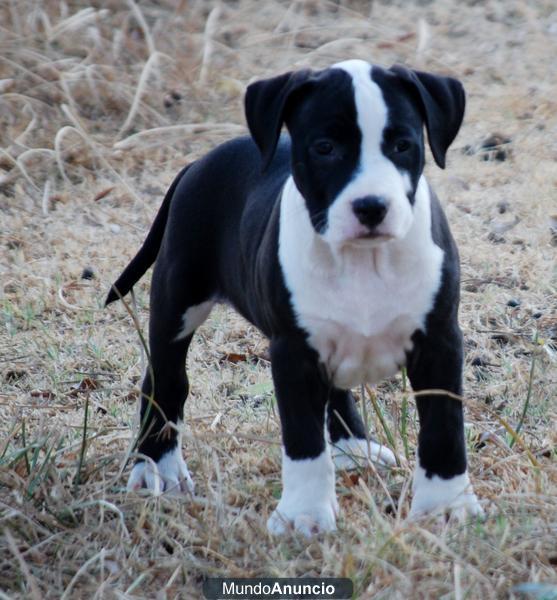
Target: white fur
(361, 300)
(360, 304)
(376, 174)
(435, 495)
(169, 474)
(351, 453)
(308, 503)
(193, 317)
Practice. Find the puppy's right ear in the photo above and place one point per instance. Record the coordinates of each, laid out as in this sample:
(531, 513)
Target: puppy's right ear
(266, 105)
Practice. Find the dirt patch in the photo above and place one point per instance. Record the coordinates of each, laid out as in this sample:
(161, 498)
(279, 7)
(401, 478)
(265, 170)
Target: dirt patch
(100, 105)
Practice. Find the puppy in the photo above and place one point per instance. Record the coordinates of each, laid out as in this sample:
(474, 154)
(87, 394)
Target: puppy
(330, 241)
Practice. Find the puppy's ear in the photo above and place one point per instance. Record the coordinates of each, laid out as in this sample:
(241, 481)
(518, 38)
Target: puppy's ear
(442, 103)
(266, 105)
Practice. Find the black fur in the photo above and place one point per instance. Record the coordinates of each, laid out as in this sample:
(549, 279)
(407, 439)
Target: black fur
(436, 363)
(148, 252)
(216, 238)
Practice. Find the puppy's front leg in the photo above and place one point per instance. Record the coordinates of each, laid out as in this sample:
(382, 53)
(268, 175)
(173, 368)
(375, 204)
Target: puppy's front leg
(441, 479)
(308, 502)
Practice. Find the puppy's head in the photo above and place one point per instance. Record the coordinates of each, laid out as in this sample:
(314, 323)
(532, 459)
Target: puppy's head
(357, 141)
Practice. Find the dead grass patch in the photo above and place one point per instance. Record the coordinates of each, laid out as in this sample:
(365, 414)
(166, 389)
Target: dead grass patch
(100, 105)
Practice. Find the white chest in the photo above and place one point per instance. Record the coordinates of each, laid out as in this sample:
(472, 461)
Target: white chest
(359, 306)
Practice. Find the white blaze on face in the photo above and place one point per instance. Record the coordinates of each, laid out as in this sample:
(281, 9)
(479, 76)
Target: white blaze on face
(376, 174)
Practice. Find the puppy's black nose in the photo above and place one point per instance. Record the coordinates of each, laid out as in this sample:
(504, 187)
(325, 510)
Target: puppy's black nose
(370, 210)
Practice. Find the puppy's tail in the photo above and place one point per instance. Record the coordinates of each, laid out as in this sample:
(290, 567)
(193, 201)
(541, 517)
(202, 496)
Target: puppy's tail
(148, 252)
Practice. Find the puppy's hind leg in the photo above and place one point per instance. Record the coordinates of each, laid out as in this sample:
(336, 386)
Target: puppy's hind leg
(165, 389)
(351, 448)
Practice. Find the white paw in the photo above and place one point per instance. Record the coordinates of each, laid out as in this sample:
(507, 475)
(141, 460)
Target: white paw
(170, 474)
(436, 495)
(308, 503)
(309, 521)
(351, 453)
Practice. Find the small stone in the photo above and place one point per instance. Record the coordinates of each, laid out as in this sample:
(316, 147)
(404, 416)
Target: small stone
(501, 338)
(14, 243)
(513, 303)
(495, 140)
(495, 147)
(495, 238)
(87, 273)
(14, 375)
(468, 150)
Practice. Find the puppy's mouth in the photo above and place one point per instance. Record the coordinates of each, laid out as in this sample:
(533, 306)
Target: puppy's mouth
(371, 238)
(374, 235)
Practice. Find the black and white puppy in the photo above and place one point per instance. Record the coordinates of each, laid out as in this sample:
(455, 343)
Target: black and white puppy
(330, 241)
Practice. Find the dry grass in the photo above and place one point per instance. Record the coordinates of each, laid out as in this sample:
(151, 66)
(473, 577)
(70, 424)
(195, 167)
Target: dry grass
(100, 104)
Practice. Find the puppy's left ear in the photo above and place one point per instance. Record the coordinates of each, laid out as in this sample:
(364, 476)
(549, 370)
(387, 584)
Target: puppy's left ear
(442, 102)
(266, 105)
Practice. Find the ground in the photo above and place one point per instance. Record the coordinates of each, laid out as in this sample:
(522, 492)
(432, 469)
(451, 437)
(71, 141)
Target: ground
(101, 103)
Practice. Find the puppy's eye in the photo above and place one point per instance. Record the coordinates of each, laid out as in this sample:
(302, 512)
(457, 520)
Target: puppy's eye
(323, 147)
(401, 146)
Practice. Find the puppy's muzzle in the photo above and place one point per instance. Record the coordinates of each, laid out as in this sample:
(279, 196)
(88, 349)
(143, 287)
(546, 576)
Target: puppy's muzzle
(370, 210)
